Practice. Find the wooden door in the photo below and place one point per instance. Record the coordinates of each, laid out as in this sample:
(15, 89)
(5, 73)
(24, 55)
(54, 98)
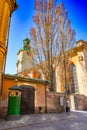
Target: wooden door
(27, 99)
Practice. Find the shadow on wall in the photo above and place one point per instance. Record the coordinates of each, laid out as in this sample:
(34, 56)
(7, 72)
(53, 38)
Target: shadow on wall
(53, 103)
(80, 102)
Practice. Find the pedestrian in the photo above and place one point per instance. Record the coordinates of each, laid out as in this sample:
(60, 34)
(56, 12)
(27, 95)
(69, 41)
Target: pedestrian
(67, 108)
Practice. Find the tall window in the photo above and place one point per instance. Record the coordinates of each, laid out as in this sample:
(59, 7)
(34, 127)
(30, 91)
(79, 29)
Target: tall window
(73, 79)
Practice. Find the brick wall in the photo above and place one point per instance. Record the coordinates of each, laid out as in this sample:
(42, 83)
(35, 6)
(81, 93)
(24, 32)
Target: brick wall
(80, 102)
(53, 103)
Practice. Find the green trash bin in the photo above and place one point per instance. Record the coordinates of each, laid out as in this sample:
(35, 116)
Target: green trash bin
(14, 100)
(14, 105)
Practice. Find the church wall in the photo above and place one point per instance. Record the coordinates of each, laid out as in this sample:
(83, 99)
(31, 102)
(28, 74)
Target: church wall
(19, 62)
(74, 60)
(27, 61)
(82, 72)
(24, 61)
(59, 83)
(80, 97)
(59, 73)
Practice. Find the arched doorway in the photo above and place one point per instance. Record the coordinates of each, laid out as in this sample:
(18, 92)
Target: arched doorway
(27, 99)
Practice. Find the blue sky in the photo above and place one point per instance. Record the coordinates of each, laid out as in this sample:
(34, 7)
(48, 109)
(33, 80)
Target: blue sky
(21, 23)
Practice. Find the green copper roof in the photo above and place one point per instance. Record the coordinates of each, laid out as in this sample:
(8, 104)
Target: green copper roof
(26, 40)
(26, 44)
(26, 78)
(26, 47)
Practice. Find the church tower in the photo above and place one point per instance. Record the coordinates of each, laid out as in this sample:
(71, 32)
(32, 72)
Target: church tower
(24, 61)
(6, 9)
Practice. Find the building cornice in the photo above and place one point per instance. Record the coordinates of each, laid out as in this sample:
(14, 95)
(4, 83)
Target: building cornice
(12, 4)
(24, 79)
(3, 49)
(81, 41)
(74, 51)
(21, 50)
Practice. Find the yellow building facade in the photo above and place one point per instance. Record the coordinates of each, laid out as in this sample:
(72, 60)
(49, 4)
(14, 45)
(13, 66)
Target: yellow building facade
(6, 9)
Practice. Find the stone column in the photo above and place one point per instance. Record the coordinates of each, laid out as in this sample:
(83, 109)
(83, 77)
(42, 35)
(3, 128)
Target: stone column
(1, 65)
(2, 2)
(6, 8)
(4, 24)
(5, 14)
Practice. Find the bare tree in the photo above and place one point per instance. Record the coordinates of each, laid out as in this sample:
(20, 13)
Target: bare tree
(51, 36)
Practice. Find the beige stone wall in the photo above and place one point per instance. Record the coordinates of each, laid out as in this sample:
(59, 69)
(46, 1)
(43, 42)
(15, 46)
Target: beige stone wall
(59, 80)
(81, 71)
(19, 61)
(24, 61)
(27, 61)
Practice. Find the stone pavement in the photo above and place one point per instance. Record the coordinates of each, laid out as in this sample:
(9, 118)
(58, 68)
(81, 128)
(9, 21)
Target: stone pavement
(33, 119)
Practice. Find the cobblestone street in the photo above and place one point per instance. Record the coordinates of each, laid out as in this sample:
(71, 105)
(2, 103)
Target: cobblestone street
(73, 121)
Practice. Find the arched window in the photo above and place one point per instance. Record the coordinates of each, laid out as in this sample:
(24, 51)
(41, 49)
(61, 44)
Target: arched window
(73, 85)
